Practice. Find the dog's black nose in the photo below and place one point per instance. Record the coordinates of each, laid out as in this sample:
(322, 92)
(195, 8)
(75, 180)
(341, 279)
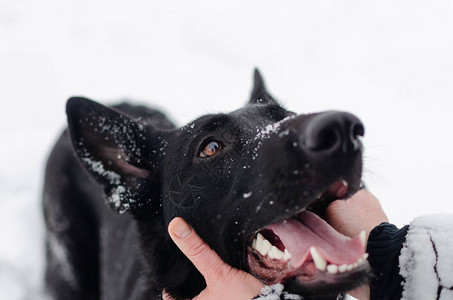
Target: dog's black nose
(331, 132)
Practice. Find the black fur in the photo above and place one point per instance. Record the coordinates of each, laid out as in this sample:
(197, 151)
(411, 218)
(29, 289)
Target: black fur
(272, 164)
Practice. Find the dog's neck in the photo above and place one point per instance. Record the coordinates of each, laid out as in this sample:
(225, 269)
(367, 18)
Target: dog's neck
(161, 265)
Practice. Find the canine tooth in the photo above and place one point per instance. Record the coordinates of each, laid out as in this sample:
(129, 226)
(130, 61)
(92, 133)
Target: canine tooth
(319, 261)
(361, 260)
(286, 255)
(365, 256)
(265, 247)
(342, 268)
(332, 269)
(271, 253)
(259, 241)
(254, 243)
(275, 253)
(259, 238)
(362, 236)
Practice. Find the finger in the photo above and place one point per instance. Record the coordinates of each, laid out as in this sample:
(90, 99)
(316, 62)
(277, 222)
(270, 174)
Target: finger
(210, 265)
(370, 204)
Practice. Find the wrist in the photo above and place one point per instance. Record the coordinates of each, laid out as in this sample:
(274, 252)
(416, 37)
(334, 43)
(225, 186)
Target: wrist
(384, 246)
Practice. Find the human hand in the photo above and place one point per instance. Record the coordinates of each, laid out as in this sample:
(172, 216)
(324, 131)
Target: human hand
(222, 280)
(360, 212)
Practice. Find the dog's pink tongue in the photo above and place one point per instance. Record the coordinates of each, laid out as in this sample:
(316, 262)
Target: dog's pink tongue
(308, 230)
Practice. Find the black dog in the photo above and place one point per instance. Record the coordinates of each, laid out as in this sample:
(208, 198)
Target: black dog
(253, 183)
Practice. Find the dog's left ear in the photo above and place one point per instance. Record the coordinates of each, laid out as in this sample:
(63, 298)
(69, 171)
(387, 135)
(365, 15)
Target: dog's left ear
(120, 153)
(259, 91)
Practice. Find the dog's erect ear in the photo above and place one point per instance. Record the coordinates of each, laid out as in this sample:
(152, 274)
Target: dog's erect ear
(117, 151)
(259, 92)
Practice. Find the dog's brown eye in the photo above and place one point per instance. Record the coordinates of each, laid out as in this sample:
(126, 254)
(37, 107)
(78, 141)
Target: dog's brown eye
(211, 149)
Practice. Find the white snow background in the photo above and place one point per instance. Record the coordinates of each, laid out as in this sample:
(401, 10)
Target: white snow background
(389, 62)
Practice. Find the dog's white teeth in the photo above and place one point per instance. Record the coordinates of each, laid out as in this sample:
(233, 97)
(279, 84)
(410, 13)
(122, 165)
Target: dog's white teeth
(286, 256)
(362, 236)
(275, 253)
(319, 261)
(264, 247)
(332, 269)
(363, 259)
(259, 241)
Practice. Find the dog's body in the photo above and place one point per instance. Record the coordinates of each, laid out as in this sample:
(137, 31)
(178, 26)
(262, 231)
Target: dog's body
(229, 175)
(83, 235)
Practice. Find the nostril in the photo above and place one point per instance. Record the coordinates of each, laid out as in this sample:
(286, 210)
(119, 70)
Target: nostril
(353, 143)
(357, 130)
(331, 132)
(325, 139)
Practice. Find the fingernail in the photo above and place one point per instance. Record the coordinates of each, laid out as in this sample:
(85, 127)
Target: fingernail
(182, 229)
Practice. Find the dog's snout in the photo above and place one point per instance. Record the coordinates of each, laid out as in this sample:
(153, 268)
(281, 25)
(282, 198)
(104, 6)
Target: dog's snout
(332, 132)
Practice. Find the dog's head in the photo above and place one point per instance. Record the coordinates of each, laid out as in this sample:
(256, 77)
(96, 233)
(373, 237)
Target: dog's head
(254, 183)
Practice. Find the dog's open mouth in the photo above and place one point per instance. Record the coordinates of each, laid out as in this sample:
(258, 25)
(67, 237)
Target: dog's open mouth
(305, 248)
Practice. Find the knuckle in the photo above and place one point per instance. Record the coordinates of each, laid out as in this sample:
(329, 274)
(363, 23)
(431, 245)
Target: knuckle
(197, 249)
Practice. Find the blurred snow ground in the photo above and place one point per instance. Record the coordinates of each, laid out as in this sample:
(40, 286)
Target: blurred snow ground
(389, 62)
